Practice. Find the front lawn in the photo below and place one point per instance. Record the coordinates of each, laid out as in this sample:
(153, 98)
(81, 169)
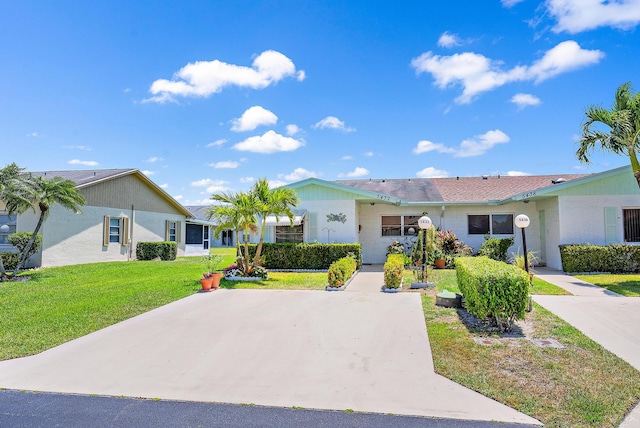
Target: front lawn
(582, 385)
(627, 285)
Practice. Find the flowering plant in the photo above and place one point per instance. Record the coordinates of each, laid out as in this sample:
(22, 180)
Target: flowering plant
(420, 274)
(254, 272)
(395, 248)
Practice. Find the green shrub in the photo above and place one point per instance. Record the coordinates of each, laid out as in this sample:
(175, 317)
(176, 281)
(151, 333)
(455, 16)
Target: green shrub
(340, 271)
(393, 269)
(306, 256)
(618, 258)
(21, 239)
(165, 250)
(495, 248)
(493, 288)
(10, 260)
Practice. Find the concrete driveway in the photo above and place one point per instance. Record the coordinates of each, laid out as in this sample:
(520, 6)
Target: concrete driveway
(325, 350)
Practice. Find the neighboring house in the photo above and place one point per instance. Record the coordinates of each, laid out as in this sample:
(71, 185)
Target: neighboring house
(122, 207)
(600, 208)
(200, 234)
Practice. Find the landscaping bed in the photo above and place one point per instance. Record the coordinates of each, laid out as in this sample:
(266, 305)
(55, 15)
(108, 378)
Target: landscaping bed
(580, 385)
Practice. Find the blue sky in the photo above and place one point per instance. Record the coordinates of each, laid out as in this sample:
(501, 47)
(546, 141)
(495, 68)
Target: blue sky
(208, 96)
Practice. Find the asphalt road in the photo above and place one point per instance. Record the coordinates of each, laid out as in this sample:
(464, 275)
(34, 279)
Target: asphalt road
(38, 409)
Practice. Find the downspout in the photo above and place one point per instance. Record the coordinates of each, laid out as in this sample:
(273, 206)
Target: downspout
(131, 223)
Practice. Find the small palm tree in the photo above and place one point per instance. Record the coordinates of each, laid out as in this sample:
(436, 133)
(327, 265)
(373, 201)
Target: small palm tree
(278, 202)
(623, 121)
(238, 210)
(13, 183)
(42, 193)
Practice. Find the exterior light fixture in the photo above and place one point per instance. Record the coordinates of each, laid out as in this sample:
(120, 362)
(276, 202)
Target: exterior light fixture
(424, 223)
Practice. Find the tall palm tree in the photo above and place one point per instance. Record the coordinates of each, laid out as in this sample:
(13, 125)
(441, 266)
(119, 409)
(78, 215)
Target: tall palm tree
(42, 193)
(278, 202)
(238, 210)
(623, 121)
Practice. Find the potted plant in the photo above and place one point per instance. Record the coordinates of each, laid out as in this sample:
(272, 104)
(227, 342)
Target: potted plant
(211, 277)
(439, 260)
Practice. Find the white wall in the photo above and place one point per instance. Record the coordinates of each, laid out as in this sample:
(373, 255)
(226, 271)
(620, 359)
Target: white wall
(346, 232)
(453, 218)
(69, 238)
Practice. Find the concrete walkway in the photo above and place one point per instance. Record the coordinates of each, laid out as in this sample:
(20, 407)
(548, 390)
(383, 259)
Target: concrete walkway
(365, 351)
(608, 318)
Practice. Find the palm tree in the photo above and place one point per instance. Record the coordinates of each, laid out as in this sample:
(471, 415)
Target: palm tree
(239, 211)
(623, 121)
(42, 193)
(276, 202)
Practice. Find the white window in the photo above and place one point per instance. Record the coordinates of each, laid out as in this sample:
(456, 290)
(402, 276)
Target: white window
(493, 224)
(172, 231)
(115, 230)
(399, 225)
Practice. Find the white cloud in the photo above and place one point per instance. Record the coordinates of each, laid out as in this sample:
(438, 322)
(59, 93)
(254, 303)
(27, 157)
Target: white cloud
(358, 172)
(217, 143)
(212, 186)
(477, 73)
(82, 162)
(164, 186)
(204, 78)
(510, 3)
(252, 118)
(197, 202)
(347, 157)
(469, 147)
(224, 164)
(298, 174)
(84, 148)
(525, 100)
(368, 154)
(269, 142)
(517, 173)
(276, 183)
(332, 122)
(431, 172)
(575, 16)
(126, 90)
(426, 146)
(179, 197)
(154, 159)
(147, 172)
(448, 40)
(292, 130)
(247, 179)
(33, 134)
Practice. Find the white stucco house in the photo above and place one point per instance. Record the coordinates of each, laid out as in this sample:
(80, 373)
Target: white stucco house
(122, 207)
(600, 208)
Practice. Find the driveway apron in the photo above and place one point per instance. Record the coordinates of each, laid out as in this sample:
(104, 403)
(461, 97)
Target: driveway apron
(365, 351)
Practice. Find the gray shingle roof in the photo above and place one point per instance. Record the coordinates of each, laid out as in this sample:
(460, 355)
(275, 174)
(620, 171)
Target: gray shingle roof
(84, 177)
(457, 189)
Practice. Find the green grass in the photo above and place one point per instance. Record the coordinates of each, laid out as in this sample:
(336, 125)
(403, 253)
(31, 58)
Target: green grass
(539, 286)
(627, 285)
(583, 385)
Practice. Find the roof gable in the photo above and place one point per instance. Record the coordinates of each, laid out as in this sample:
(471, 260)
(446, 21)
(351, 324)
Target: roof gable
(87, 179)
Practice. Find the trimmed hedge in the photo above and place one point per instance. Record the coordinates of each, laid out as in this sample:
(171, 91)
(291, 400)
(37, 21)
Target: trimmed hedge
(393, 269)
(340, 271)
(493, 288)
(10, 260)
(150, 250)
(305, 256)
(617, 258)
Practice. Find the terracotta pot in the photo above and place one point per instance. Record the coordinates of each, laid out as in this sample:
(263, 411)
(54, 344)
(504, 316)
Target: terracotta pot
(206, 283)
(215, 278)
(440, 263)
